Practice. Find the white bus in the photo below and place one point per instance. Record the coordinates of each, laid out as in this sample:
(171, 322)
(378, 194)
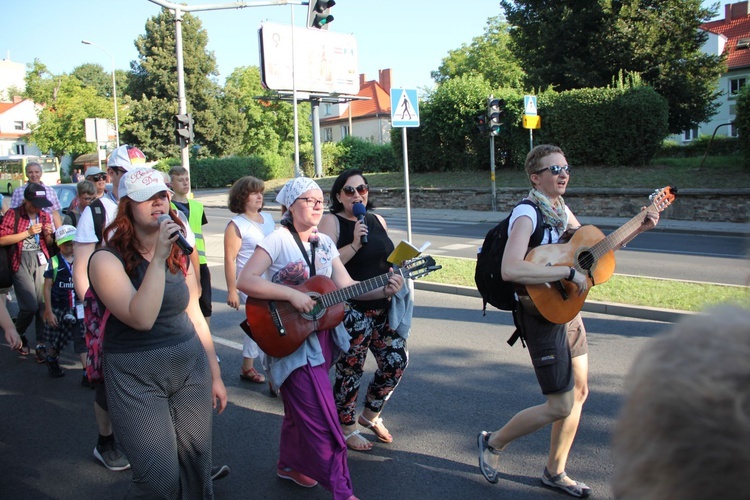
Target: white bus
(13, 170)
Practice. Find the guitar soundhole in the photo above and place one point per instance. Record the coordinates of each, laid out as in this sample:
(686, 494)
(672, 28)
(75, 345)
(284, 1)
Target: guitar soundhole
(586, 260)
(318, 309)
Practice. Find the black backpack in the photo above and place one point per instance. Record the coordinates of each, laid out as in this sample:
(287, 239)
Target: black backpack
(487, 276)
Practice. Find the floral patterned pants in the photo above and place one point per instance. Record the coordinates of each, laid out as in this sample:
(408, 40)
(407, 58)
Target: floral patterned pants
(368, 330)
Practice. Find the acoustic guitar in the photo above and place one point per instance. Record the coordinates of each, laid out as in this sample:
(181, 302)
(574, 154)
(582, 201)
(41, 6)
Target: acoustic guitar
(279, 329)
(592, 254)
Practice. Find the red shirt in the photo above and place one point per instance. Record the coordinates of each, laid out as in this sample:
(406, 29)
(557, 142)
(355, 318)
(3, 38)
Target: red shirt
(7, 227)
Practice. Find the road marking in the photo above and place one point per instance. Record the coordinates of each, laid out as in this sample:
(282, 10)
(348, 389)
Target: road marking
(457, 246)
(228, 343)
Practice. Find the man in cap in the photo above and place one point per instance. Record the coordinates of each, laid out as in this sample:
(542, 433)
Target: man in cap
(88, 237)
(34, 176)
(28, 229)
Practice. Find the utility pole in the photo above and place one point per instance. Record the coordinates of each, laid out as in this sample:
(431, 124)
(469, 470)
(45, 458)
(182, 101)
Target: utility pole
(178, 11)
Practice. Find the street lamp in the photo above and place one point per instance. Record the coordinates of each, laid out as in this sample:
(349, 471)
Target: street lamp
(114, 87)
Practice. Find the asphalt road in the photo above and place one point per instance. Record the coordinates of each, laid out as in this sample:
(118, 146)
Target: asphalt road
(462, 378)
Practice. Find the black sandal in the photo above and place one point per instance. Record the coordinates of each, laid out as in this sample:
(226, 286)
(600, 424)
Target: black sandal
(578, 490)
(488, 457)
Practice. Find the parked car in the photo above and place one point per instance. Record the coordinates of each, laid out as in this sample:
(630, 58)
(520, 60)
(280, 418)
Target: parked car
(66, 193)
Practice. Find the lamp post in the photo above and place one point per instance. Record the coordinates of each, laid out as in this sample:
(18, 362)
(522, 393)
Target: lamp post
(114, 87)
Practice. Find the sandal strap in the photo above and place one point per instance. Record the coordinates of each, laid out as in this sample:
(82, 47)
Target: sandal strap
(556, 478)
(353, 433)
(492, 450)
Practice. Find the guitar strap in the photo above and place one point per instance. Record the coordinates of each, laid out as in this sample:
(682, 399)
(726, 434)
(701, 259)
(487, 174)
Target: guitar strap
(313, 246)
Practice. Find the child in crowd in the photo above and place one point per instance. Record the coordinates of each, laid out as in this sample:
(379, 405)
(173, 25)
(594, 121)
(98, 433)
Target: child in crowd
(63, 312)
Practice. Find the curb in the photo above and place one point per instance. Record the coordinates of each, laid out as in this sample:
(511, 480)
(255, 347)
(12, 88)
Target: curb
(638, 312)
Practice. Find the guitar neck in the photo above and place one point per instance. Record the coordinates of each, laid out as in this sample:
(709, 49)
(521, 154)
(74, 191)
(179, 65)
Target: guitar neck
(349, 292)
(612, 240)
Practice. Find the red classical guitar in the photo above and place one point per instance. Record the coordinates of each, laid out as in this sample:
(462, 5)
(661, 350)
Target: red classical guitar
(591, 253)
(279, 328)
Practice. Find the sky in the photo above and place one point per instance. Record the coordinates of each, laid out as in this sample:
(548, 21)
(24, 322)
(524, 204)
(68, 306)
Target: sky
(411, 37)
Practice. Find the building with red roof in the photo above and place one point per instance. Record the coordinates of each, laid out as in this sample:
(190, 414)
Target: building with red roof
(368, 118)
(730, 35)
(16, 119)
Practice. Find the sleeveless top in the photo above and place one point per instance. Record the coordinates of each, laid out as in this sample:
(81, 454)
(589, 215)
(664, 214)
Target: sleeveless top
(370, 260)
(172, 326)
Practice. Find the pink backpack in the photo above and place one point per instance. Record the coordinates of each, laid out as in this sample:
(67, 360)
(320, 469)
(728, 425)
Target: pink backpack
(95, 319)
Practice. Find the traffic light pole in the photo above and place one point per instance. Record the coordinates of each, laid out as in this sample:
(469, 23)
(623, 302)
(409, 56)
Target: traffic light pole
(178, 11)
(492, 173)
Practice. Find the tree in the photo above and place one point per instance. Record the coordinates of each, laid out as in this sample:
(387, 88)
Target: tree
(572, 44)
(153, 87)
(269, 122)
(488, 56)
(60, 128)
(94, 76)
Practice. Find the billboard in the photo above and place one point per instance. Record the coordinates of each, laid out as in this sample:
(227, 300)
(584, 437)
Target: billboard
(324, 62)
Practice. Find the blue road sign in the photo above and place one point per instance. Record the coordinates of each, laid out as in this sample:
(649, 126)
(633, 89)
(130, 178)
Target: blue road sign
(404, 108)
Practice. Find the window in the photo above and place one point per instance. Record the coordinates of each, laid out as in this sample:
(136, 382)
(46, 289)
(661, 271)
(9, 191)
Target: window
(327, 109)
(344, 131)
(735, 85)
(328, 134)
(20, 149)
(18, 126)
(743, 43)
(690, 134)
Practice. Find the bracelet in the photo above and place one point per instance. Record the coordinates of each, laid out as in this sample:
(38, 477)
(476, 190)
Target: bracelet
(572, 274)
(352, 245)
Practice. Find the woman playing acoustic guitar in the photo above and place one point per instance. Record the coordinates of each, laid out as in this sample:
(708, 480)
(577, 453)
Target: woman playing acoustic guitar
(559, 352)
(312, 448)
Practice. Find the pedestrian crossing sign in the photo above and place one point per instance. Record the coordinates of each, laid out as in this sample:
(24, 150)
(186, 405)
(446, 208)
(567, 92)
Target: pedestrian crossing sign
(529, 105)
(404, 108)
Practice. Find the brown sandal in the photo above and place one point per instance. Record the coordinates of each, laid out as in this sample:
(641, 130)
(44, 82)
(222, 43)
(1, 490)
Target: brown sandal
(252, 375)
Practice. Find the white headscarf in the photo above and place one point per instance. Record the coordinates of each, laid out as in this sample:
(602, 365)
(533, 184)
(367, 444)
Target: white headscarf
(294, 188)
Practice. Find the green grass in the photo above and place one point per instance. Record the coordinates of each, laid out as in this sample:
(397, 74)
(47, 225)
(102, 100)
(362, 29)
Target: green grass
(667, 294)
(717, 172)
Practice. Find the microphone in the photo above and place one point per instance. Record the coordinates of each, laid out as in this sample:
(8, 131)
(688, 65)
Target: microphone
(359, 211)
(181, 241)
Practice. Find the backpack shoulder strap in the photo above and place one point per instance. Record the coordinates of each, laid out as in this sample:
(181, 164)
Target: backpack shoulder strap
(538, 235)
(98, 215)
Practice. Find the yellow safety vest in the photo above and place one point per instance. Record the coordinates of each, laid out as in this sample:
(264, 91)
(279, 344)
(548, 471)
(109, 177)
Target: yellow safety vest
(195, 218)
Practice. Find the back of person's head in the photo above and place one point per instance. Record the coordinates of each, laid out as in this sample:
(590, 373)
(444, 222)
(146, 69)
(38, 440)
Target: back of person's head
(178, 170)
(535, 156)
(241, 189)
(684, 429)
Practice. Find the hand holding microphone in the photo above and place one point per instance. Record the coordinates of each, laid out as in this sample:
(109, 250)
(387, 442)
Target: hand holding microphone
(359, 211)
(180, 241)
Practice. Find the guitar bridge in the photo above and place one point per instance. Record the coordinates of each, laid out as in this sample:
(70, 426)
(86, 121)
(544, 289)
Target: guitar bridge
(276, 318)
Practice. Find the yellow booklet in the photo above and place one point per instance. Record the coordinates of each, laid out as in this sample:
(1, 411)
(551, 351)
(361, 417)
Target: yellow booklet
(405, 251)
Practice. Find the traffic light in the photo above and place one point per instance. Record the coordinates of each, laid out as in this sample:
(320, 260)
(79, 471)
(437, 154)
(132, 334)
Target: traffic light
(319, 14)
(495, 111)
(183, 129)
(481, 124)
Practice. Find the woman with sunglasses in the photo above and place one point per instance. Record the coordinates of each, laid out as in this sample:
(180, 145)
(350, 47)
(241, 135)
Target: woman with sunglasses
(312, 448)
(559, 352)
(365, 320)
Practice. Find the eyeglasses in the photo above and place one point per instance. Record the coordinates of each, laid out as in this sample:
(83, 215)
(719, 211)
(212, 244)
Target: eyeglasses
(555, 169)
(98, 177)
(311, 202)
(362, 189)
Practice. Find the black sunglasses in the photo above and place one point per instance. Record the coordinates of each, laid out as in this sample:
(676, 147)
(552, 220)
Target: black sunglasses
(98, 177)
(361, 189)
(555, 169)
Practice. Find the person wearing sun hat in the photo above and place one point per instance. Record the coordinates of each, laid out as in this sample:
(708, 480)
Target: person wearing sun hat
(160, 364)
(88, 237)
(63, 319)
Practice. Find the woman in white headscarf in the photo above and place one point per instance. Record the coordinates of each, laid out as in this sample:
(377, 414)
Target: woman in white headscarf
(312, 448)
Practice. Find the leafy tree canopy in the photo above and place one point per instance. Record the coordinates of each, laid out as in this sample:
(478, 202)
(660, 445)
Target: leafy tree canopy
(573, 44)
(488, 56)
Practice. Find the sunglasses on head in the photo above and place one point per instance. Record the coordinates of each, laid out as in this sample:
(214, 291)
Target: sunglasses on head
(361, 189)
(98, 177)
(555, 169)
